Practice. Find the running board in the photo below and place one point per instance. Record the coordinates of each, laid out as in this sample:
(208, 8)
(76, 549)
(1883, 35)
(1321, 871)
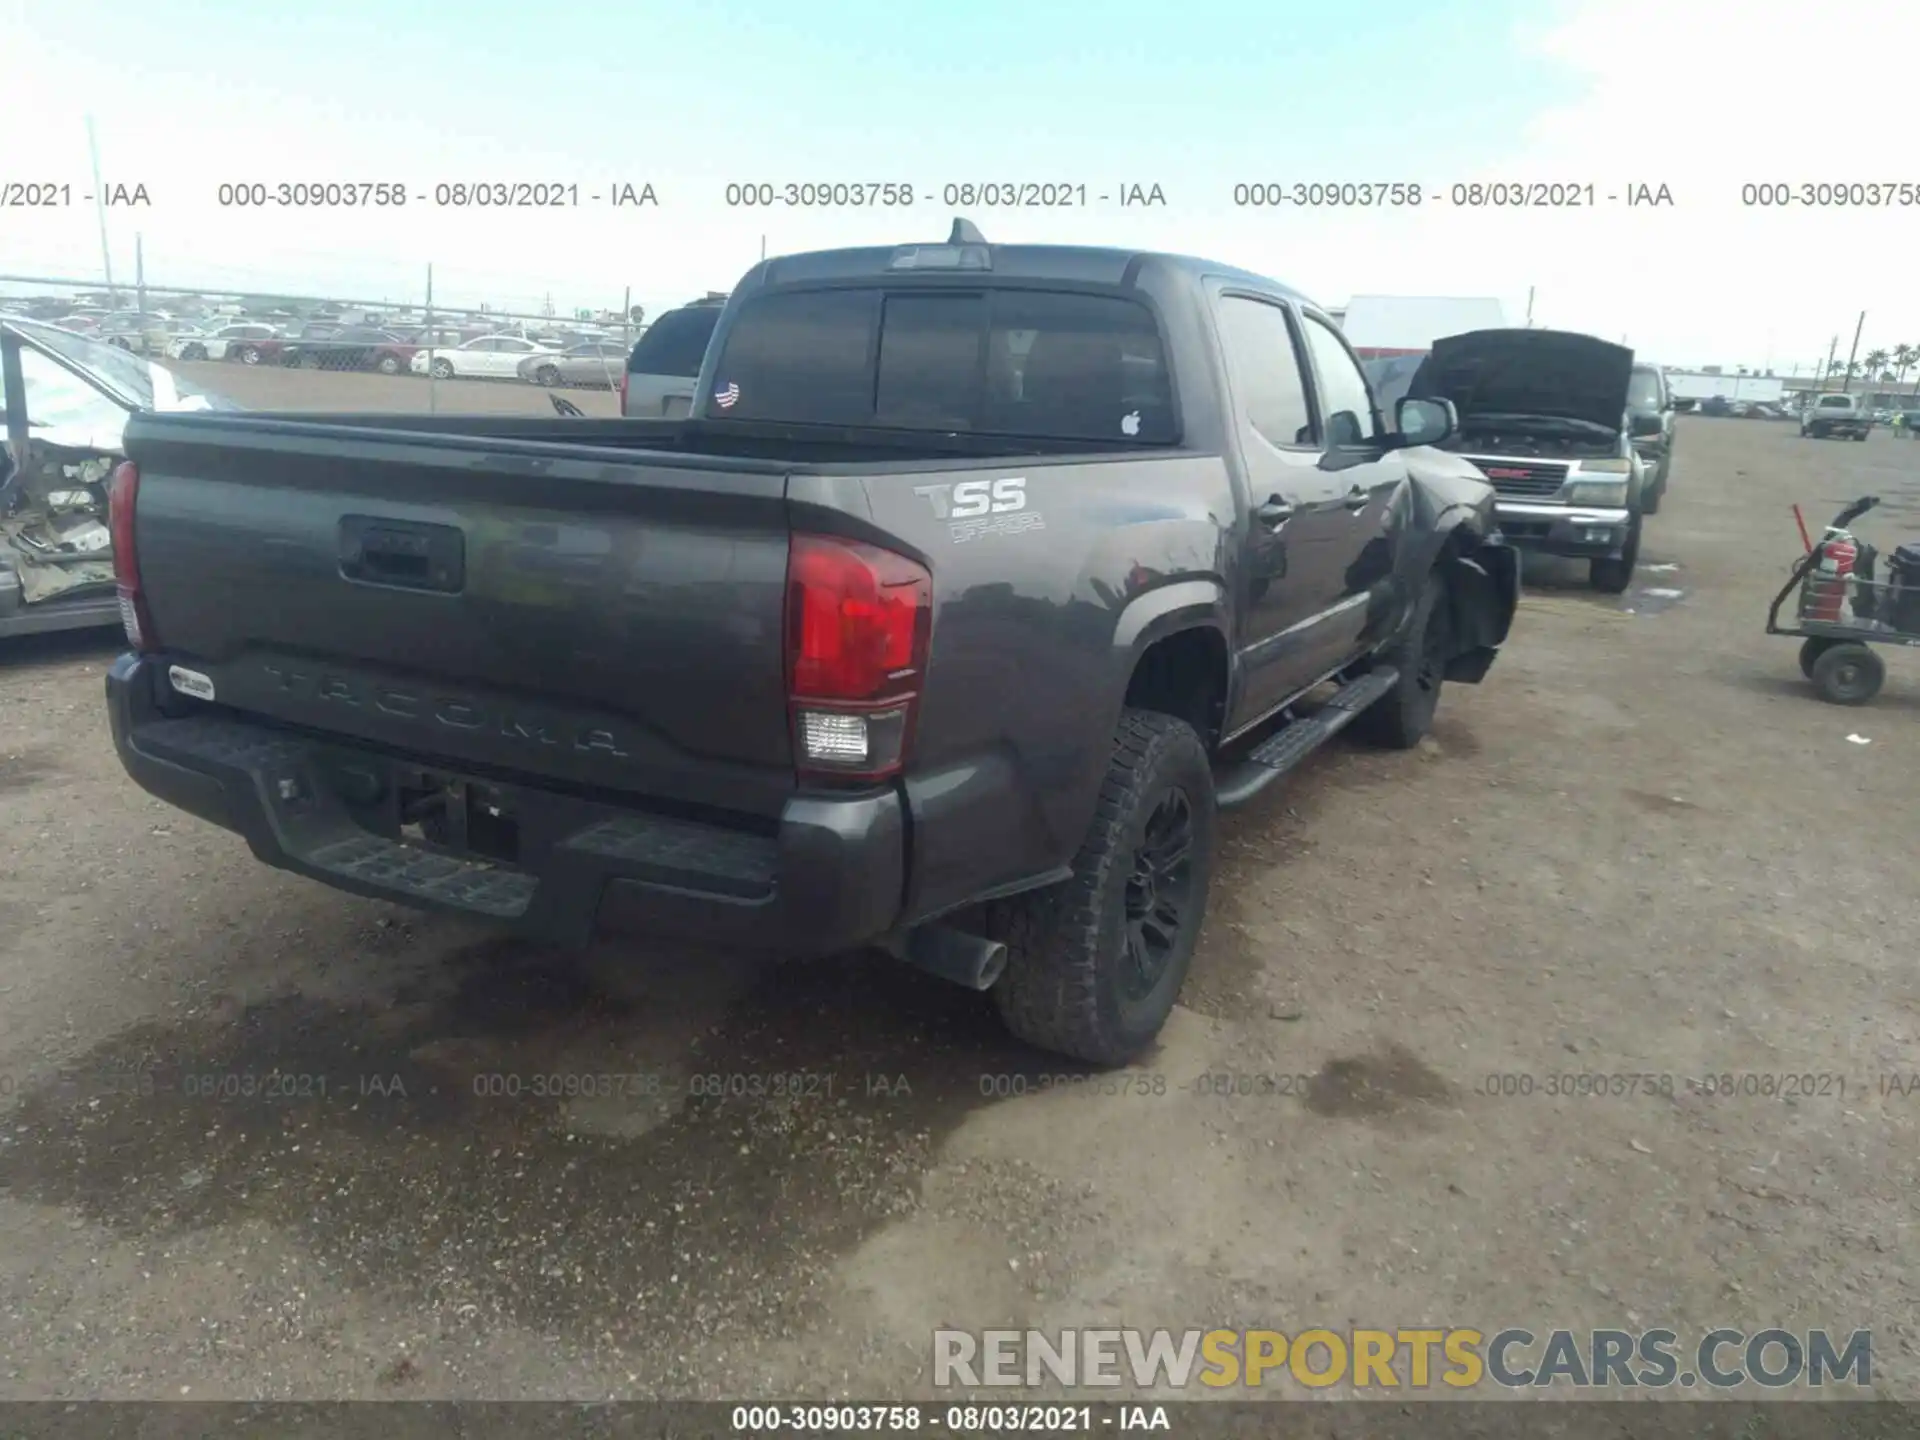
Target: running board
(1292, 743)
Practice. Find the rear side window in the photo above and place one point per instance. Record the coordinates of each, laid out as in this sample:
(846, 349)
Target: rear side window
(675, 344)
(1041, 364)
(1836, 402)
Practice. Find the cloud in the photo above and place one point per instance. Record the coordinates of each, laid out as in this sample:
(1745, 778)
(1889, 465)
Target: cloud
(1708, 98)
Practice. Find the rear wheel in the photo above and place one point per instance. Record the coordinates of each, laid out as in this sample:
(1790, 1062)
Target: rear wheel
(1400, 718)
(249, 354)
(194, 352)
(388, 365)
(1612, 577)
(547, 375)
(1849, 674)
(1812, 650)
(1095, 963)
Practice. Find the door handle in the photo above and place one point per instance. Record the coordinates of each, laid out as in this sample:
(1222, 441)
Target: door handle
(1357, 498)
(1275, 513)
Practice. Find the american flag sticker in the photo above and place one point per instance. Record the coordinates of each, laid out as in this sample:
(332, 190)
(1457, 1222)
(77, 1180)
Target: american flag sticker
(726, 395)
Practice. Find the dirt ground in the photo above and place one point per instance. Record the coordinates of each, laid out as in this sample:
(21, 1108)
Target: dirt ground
(1642, 847)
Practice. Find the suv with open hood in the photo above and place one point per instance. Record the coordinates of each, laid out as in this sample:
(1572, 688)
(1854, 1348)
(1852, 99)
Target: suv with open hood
(1543, 413)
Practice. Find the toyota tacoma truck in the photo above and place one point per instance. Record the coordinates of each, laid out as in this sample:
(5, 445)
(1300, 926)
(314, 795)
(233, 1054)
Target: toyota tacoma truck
(1544, 413)
(978, 581)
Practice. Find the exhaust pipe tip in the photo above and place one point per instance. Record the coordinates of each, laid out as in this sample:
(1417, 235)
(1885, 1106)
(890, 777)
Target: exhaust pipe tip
(972, 961)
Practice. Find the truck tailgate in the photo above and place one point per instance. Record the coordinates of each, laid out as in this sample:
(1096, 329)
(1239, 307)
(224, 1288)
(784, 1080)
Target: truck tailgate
(591, 615)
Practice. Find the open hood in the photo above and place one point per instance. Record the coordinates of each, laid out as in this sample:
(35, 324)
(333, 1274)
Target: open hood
(1549, 373)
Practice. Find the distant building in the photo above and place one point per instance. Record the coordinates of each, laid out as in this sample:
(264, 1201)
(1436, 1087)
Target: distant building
(1378, 326)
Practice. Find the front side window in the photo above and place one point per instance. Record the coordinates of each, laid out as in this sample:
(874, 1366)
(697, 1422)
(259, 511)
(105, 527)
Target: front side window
(1265, 367)
(1349, 404)
(1644, 391)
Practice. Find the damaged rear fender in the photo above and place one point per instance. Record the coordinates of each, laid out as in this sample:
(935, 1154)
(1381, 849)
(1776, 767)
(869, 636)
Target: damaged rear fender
(1483, 591)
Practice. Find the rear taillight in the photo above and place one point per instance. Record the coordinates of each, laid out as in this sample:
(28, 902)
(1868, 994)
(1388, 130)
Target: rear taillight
(858, 622)
(134, 615)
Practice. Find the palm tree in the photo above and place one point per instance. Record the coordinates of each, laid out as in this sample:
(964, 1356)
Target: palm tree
(1874, 366)
(1904, 357)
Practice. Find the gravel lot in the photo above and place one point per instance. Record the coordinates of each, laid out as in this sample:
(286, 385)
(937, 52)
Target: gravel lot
(1642, 847)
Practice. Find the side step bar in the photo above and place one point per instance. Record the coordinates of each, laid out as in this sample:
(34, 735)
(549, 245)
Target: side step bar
(1289, 745)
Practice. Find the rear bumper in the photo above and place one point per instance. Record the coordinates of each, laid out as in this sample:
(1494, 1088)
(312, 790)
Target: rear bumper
(1579, 531)
(828, 875)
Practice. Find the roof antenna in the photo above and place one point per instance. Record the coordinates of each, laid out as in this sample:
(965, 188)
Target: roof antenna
(965, 232)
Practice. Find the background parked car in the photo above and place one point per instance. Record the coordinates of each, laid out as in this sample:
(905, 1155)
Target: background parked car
(666, 360)
(491, 357)
(284, 349)
(352, 347)
(1650, 416)
(599, 363)
(221, 342)
(142, 334)
(396, 356)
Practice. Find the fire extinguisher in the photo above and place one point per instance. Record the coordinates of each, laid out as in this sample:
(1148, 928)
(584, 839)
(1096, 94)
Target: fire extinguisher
(1827, 585)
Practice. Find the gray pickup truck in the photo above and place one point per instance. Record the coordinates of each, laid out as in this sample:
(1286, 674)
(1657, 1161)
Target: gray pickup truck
(979, 580)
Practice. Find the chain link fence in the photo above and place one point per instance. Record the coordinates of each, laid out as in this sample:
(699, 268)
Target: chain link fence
(276, 349)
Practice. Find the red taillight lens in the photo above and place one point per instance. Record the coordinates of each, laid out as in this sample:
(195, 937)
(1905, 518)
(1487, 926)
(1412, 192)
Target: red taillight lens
(858, 622)
(134, 617)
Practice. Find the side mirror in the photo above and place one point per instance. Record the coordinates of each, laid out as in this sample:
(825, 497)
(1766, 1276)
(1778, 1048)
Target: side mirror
(1425, 422)
(1645, 424)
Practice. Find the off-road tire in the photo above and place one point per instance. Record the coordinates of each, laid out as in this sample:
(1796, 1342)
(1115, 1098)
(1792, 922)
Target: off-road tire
(1849, 674)
(1613, 577)
(1065, 984)
(1400, 718)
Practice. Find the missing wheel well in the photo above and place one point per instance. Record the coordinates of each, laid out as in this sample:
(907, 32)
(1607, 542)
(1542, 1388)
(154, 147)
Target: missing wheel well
(1185, 676)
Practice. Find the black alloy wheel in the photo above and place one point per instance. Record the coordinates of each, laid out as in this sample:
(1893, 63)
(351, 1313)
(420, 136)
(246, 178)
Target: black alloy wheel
(1159, 894)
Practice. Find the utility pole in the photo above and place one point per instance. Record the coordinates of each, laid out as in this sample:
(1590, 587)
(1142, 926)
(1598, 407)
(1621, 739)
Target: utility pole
(763, 247)
(139, 275)
(1832, 346)
(1859, 325)
(100, 209)
(1529, 306)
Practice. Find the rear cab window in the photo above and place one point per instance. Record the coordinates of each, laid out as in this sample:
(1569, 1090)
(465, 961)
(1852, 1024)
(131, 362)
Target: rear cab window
(1043, 364)
(1644, 391)
(1836, 402)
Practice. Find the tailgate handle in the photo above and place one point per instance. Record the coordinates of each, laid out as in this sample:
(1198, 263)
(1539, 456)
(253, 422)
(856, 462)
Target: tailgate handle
(402, 553)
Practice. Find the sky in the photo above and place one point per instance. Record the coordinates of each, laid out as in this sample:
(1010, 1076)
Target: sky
(1702, 98)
